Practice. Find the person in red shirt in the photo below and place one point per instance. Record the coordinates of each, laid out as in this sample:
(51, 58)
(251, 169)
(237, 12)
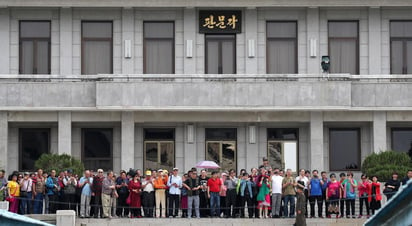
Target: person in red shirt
(214, 186)
(375, 195)
(364, 191)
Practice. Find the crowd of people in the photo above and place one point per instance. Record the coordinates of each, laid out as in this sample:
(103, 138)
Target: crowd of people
(263, 192)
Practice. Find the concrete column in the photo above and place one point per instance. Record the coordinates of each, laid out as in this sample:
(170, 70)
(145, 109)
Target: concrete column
(127, 141)
(379, 131)
(252, 149)
(127, 34)
(251, 23)
(312, 18)
(189, 152)
(65, 218)
(189, 33)
(64, 140)
(5, 41)
(316, 141)
(4, 129)
(375, 54)
(66, 41)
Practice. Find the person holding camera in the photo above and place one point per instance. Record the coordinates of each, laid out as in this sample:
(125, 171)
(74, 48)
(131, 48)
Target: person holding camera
(160, 185)
(288, 185)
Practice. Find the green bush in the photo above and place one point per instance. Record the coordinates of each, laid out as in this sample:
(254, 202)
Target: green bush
(383, 164)
(49, 162)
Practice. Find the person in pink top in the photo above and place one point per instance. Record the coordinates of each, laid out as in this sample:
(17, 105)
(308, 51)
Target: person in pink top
(333, 195)
(223, 194)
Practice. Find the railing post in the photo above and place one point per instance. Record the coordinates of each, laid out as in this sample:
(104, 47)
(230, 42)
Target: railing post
(65, 218)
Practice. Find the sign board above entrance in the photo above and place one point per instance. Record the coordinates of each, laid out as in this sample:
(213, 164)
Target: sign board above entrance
(220, 21)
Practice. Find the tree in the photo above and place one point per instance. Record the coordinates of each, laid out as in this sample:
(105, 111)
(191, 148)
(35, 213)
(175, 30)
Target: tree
(383, 164)
(49, 162)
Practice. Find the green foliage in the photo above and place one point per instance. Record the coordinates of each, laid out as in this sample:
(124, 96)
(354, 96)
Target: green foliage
(385, 163)
(49, 162)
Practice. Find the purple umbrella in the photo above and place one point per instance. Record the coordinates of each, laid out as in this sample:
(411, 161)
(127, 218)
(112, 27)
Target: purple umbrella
(207, 165)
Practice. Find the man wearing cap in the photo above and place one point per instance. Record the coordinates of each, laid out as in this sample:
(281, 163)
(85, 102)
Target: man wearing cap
(300, 207)
(160, 185)
(174, 183)
(70, 190)
(26, 195)
(148, 194)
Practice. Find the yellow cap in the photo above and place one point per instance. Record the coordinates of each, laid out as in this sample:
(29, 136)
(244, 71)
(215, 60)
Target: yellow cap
(148, 173)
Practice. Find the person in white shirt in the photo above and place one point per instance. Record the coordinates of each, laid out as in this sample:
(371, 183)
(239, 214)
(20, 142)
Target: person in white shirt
(148, 194)
(303, 181)
(276, 193)
(175, 184)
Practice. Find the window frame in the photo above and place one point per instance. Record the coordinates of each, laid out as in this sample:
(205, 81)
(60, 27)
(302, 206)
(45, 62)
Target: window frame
(268, 140)
(359, 163)
(221, 141)
(34, 40)
(282, 39)
(160, 39)
(83, 157)
(404, 52)
(83, 40)
(20, 131)
(398, 129)
(158, 142)
(345, 38)
(226, 36)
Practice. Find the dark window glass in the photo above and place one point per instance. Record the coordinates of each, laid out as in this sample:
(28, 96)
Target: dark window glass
(281, 47)
(34, 47)
(159, 134)
(159, 147)
(97, 148)
(33, 143)
(402, 139)
(401, 47)
(220, 54)
(343, 46)
(159, 52)
(282, 134)
(97, 47)
(221, 134)
(344, 149)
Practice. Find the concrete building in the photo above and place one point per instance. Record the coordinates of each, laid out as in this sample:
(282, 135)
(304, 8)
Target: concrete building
(138, 84)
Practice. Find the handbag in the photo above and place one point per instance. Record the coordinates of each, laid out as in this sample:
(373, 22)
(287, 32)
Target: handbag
(10, 199)
(129, 199)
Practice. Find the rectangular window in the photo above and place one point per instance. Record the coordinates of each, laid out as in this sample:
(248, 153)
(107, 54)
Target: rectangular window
(402, 139)
(32, 144)
(220, 54)
(281, 50)
(34, 47)
(344, 46)
(344, 149)
(97, 148)
(283, 148)
(221, 147)
(159, 52)
(97, 47)
(401, 47)
(159, 148)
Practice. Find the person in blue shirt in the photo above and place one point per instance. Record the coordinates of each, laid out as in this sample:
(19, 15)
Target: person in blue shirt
(315, 194)
(53, 189)
(324, 182)
(85, 183)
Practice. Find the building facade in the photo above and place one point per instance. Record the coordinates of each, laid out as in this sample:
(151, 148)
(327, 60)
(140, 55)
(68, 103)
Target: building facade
(158, 84)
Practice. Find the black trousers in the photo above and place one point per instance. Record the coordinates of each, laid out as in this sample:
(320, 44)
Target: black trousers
(326, 203)
(173, 201)
(317, 199)
(122, 207)
(246, 200)
(135, 212)
(53, 199)
(350, 205)
(148, 202)
(363, 199)
(70, 201)
(203, 205)
(306, 192)
(342, 207)
(231, 201)
(98, 206)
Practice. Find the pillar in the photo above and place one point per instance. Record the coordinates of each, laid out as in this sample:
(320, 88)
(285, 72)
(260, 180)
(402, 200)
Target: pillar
(375, 54)
(312, 17)
(127, 34)
(64, 140)
(316, 141)
(379, 131)
(66, 41)
(127, 141)
(251, 34)
(5, 41)
(4, 128)
(189, 36)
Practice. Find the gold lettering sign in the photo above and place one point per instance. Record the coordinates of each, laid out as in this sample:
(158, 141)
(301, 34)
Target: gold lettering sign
(219, 21)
